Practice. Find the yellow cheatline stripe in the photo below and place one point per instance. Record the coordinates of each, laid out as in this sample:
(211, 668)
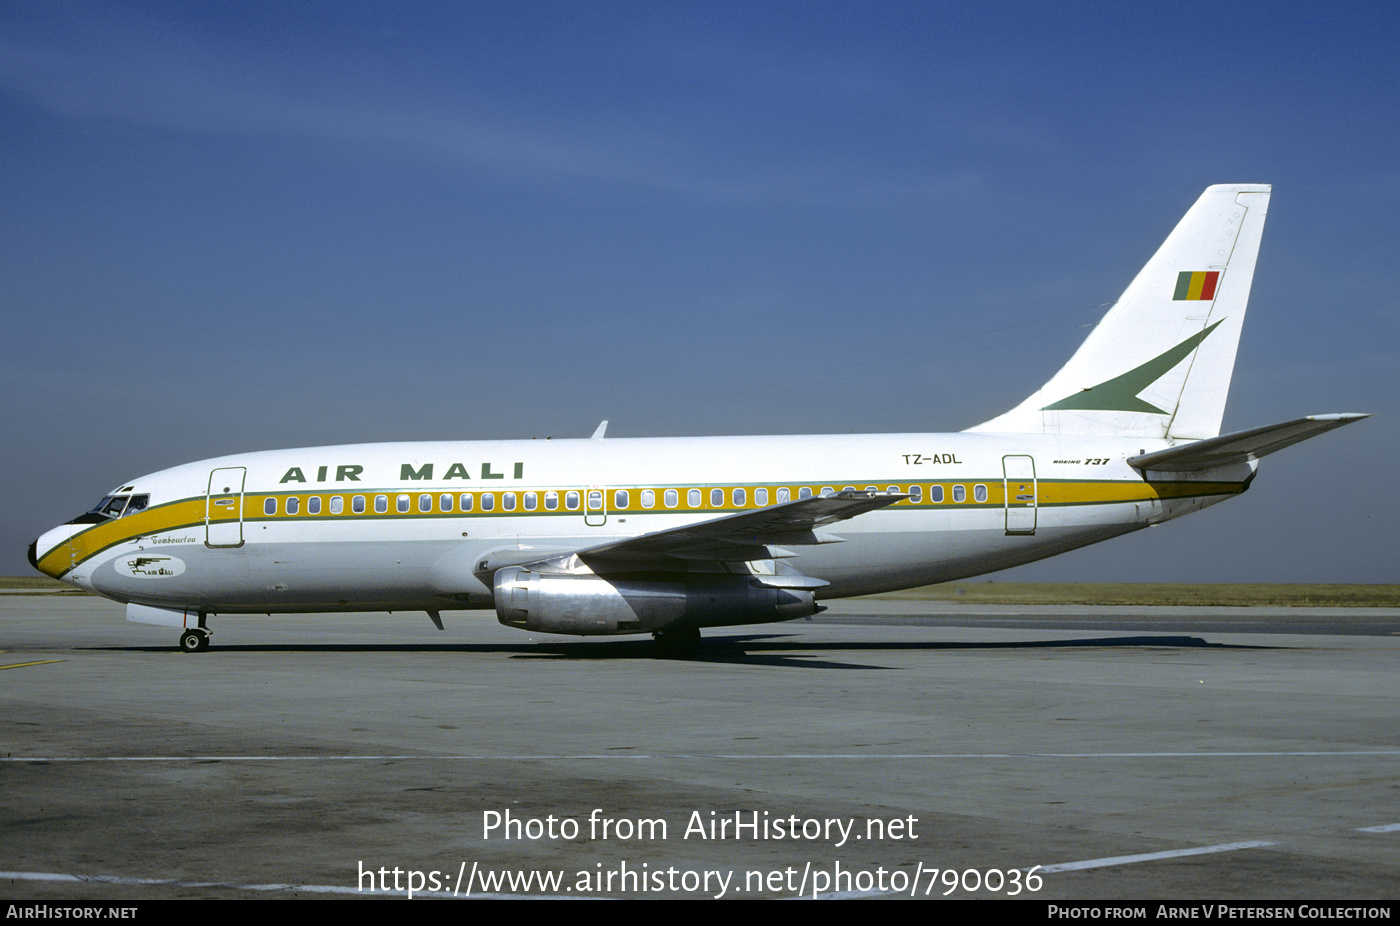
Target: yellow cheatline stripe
(1060, 492)
(189, 513)
(41, 662)
(158, 519)
(1098, 493)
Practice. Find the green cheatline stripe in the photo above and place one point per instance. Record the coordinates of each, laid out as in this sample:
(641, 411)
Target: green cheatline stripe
(1120, 393)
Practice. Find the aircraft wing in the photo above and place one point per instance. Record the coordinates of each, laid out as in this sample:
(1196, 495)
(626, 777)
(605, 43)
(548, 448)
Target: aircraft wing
(1240, 447)
(739, 537)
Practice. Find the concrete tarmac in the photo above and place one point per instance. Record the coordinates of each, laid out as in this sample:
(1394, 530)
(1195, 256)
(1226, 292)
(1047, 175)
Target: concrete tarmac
(886, 748)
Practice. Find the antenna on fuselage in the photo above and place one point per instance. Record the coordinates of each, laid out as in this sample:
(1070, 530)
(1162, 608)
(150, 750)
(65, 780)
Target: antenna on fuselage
(603, 426)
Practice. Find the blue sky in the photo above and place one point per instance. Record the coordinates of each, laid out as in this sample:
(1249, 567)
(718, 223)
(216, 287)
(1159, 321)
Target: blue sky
(239, 226)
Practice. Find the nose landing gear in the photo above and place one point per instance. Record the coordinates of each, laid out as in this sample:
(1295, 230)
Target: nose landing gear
(194, 640)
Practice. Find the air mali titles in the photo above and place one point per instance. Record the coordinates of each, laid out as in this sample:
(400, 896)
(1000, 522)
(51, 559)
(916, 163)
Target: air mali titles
(408, 472)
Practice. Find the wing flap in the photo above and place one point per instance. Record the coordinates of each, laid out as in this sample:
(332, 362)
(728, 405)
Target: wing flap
(741, 537)
(744, 536)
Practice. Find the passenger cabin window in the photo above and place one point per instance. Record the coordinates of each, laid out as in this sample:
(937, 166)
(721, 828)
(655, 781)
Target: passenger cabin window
(740, 497)
(959, 493)
(293, 505)
(979, 493)
(621, 499)
(673, 498)
(401, 503)
(804, 492)
(313, 505)
(918, 493)
(784, 496)
(444, 503)
(507, 501)
(465, 500)
(828, 491)
(648, 498)
(269, 506)
(935, 494)
(571, 500)
(551, 500)
(337, 504)
(692, 498)
(760, 497)
(425, 503)
(357, 504)
(531, 501)
(595, 500)
(381, 504)
(488, 501)
(716, 498)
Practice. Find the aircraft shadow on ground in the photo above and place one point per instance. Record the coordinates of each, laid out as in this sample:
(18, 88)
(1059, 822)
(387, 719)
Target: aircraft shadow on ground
(773, 649)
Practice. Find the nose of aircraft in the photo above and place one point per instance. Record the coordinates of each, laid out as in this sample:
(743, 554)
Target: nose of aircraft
(47, 543)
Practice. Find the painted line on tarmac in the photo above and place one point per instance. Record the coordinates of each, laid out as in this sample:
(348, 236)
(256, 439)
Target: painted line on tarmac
(1152, 856)
(169, 882)
(780, 757)
(232, 885)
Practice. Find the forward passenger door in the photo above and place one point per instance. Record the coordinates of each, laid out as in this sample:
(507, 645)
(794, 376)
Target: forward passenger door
(223, 507)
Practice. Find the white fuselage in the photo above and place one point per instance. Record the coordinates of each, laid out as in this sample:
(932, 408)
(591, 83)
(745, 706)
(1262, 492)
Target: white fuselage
(403, 526)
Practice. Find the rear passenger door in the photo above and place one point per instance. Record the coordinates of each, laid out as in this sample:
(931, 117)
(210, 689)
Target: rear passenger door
(1018, 473)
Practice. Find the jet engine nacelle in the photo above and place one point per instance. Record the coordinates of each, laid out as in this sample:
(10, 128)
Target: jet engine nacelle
(586, 604)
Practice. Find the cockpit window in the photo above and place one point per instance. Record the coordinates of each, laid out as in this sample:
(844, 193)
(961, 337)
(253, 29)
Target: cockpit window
(115, 506)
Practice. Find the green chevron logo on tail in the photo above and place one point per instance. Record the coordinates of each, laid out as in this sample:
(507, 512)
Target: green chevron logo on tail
(1120, 394)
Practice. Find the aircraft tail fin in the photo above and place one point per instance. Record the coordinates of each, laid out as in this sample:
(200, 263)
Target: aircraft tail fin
(1159, 363)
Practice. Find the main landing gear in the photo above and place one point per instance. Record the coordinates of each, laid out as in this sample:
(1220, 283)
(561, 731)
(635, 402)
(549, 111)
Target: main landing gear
(194, 640)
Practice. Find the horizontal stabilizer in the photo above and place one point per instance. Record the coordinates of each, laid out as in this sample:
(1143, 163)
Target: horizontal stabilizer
(1240, 447)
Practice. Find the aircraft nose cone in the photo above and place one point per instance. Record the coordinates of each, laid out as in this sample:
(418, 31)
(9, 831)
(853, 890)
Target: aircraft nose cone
(47, 543)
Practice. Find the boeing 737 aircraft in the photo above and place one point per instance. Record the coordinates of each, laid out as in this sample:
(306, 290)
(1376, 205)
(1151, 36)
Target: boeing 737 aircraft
(669, 535)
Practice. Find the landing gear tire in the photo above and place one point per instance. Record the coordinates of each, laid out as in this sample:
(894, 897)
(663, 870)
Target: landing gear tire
(193, 641)
(678, 643)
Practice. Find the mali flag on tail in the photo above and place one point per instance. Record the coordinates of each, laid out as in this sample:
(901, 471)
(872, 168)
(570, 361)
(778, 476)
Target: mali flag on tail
(1197, 285)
